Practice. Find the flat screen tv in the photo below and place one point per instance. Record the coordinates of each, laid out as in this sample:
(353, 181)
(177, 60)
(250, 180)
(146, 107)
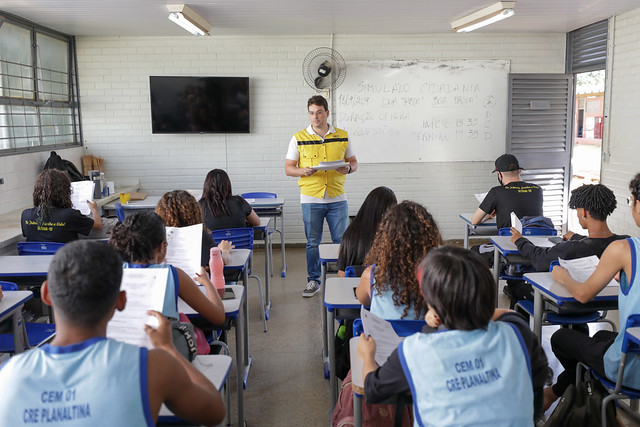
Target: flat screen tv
(199, 104)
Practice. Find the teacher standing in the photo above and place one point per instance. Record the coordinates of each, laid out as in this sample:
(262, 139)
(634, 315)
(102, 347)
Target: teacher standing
(321, 192)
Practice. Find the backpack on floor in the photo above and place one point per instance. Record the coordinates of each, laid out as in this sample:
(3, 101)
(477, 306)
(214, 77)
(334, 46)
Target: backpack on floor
(581, 406)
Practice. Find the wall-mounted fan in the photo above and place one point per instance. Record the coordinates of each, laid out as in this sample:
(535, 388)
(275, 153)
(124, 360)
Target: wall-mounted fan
(324, 69)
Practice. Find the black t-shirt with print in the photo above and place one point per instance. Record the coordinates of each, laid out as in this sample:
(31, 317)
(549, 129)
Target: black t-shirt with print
(523, 198)
(62, 226)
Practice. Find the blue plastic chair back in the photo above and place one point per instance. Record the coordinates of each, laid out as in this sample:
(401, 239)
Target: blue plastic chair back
(403, 327)
(38, 248)
(530, 231)
(8, 286)
(241, 238)
(350, 272)
(119, 211)
(259, 195)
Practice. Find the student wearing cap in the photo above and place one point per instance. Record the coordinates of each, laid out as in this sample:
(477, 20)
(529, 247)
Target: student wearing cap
(512, 195)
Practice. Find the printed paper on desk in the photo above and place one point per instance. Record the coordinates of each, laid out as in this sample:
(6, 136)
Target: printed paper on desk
(184, 248)
(516, 223)
(582, 268)
(380, 330)
(145, 288)
(81, 192)
(480, 196)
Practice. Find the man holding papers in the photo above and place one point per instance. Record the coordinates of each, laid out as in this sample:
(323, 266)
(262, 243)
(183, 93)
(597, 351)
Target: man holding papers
(83, 378)
(320, 156)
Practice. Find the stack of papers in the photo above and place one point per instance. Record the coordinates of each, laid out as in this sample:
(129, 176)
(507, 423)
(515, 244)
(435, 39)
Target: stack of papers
(81, 192)
(380, 330)
(582, 268)
(184, 248)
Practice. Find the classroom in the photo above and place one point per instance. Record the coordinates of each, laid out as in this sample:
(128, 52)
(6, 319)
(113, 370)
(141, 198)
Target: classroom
(119, 44)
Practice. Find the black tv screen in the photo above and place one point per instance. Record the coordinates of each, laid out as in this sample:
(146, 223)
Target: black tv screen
(199, 104)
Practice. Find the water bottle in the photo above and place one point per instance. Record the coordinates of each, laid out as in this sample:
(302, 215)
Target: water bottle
(216, 268)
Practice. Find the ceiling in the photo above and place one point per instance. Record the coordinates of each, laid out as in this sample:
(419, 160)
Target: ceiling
(288, 17)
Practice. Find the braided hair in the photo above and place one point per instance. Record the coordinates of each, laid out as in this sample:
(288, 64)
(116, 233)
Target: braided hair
(596, 199)
(138, 237)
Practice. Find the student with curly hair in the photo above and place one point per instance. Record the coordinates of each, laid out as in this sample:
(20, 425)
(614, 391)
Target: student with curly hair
(220, 208)
(53, 219)
(406, 234)
(178, 208)
(141, 241)
(358, 237)
(602, 352)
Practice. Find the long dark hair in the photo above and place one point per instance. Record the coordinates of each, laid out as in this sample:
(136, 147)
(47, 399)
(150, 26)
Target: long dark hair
(216, 189)
(52, 189)
(358, 237)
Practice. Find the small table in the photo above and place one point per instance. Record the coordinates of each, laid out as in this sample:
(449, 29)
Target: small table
(273, 208)
(263, 228)
(232, 311)
(545, 288)
(328, 253)
(215, 367)
(341, 303)
(487, 227)
(24, 266)
(11, 306)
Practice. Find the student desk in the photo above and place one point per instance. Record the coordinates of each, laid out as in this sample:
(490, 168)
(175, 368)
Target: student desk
(231, 311)
(263, 230)
(484, 228)
(24, 266)
(272, 208)
(328, 253)
(215, 367)
(11, 306)
(357, 381)
(503, 246)
(545, 288)
(341, 303)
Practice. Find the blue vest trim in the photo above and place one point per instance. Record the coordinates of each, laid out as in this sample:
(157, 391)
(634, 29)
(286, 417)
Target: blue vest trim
(133, 265)
(633, 266)
(405, 368)
(524, 348)
(63, 349)
(144, 387)
(176, 282)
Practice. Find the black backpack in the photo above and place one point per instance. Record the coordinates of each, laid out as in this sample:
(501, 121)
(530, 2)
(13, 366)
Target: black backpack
(581, 406)
(57, 162)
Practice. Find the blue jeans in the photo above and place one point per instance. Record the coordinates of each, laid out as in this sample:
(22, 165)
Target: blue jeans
(313, 215)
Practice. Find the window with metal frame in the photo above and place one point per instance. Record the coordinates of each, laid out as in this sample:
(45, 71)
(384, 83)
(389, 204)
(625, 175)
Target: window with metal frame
(39, 102)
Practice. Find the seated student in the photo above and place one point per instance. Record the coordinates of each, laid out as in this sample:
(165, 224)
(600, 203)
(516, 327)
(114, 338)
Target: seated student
(141, 241)
(593, 204)
(221, 209)
(602, 351)
(485, 368)
(406, 233)
(178, 208)
(358, 237)
(53, 219)
(84, 378)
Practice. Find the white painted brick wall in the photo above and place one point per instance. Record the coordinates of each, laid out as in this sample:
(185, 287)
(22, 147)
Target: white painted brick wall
(114, 92)
(623, 143)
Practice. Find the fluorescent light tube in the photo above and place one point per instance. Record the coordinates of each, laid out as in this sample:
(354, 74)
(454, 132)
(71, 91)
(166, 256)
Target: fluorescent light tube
(188, 19)
(489, 15)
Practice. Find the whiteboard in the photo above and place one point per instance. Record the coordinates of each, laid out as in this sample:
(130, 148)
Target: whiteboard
(424, 110)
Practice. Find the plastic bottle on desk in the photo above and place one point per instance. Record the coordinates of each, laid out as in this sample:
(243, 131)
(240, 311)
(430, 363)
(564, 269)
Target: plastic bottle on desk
(216, 268)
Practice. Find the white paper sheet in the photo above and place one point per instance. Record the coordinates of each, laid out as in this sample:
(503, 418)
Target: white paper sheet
(326, 166)
(582, 268)
(145, 288)
(380, 330)
(516, 223)
(480, 196)
(184, 248)
(81, 192)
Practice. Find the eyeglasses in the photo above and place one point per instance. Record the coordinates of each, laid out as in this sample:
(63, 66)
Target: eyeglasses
(630, 201)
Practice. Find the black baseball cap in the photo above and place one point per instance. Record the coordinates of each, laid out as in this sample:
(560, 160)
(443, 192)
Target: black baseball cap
(506, 163)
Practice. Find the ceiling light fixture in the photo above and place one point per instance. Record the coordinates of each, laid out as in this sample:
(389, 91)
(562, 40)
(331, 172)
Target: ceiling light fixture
(188, 19)
(490, 14)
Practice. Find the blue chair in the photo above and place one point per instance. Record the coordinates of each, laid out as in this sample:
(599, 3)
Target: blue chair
(35, 334)
(259, 195)
(530, 231)
(38, 248)
(403, 327)
(242, 238)
(630, 344)
(267, 212)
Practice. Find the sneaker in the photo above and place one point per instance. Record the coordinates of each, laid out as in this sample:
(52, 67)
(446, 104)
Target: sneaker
(313, 287)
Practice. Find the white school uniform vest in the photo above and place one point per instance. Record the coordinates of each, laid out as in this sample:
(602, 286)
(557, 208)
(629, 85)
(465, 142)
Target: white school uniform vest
(170, 306)
(480, 378)
(628, 303)
(382, 304)
(97, 382)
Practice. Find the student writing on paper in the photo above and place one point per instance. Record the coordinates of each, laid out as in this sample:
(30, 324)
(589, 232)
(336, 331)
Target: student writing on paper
(53, 219)
(593, 204)
(84, 378)
(220, 208)
(602, 351)
(141, 241)
(179, 208)
(486, 367)
(358, 237)
(407, 232)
